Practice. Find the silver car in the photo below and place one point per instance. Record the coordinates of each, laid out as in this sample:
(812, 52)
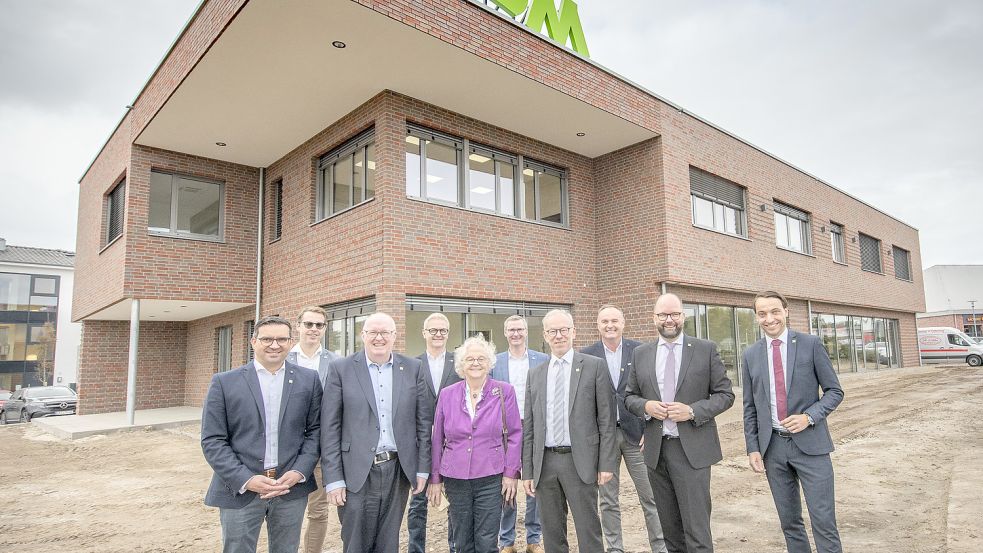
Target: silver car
(41, 401)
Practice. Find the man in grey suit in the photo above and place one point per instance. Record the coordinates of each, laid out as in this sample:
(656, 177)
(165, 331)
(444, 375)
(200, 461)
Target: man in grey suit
(513, 366)
(617, 350)
(376, 421)
(785, 423)
(260, 429)
(568, 437)
(310, 354)
(437, 366)
(679, 384)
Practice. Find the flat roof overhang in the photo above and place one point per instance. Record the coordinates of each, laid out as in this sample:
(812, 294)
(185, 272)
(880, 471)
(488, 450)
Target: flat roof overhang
(273, 80)
(165, 310)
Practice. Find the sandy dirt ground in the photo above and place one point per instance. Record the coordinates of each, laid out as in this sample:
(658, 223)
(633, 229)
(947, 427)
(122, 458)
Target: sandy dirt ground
(908, 462)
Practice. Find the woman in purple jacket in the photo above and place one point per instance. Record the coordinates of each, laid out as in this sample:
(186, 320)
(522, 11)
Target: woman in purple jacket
(477, 440)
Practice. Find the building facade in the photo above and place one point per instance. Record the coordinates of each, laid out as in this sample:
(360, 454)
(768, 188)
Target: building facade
(439, 156)
(39, 343)
(954, 297)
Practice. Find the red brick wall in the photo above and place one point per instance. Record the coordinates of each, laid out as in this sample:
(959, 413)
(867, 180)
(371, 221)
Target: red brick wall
(103, 369)
(955, 321)
(200, 357)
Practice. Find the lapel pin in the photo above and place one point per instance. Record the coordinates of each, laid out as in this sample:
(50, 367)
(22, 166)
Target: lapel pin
(400, 367)
(689, 345)
(290, 382)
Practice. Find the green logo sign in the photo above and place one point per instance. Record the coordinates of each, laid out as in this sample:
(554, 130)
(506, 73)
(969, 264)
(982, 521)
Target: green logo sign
(559, 25)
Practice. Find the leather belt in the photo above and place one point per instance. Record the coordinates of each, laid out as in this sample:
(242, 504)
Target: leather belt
(384, 457)
(270, 473)
(669, 437)
(782, 433)
(559, 449)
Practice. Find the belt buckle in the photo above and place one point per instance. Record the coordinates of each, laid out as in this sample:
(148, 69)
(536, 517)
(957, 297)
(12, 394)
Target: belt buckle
(270, 473)
(383, 457)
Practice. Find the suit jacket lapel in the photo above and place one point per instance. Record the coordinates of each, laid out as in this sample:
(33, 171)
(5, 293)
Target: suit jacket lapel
(790, 360)
(766, 379)
(578, 363)
(288, 384)
(448, 371)
(365, 381)
(684, 363)
(425, 366)
(399, 384)
(252, 381)
(655, 371)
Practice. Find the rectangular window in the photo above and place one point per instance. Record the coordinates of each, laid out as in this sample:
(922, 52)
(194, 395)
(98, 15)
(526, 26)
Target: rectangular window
(485, 180)
(223, 348)
(250, 354)
(792, 229)
(185, 207)
(277, 210)
(115, 206)
(345, 322)
(15, 292)
(346, 175)
(836, 242)
(870, 254)
(902, 263)
(718, 204)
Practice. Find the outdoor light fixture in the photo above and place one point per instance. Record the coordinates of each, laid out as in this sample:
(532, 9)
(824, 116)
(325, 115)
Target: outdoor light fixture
(822, 228)
(581, 134)
(223, 144)
(338, 44)
(764, 207)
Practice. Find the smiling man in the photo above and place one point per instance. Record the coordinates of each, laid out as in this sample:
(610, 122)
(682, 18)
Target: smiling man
(260, 429)
(376, 423)
(785, 423)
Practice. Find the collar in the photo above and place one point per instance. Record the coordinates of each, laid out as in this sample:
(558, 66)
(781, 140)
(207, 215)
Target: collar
(261, 368)
(525, 356)
(677, 341)
(568, 357)
(621, 342)
(300, 352)
(369, 362)
(443, 355)
(783, 337)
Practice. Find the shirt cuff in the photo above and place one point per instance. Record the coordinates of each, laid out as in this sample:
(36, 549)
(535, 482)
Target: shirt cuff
(424, 475)
(242, 489)
(302, 477)
(335, 485)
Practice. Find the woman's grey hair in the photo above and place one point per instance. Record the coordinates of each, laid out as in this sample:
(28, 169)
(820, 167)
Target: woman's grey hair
(474, 341)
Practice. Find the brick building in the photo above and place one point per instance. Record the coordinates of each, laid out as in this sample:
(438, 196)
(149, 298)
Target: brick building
(418, 156)
(954, 297)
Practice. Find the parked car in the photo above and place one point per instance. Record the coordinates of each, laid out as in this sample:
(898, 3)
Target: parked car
(948, 345)
(42, 401)
(4, 396)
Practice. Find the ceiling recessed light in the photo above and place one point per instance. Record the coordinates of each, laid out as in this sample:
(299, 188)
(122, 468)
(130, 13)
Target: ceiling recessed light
(338, 44)
(581, 134)
(183, 306)
(223, 144)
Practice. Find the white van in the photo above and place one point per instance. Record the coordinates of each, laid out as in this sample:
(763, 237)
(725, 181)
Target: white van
(944, 344)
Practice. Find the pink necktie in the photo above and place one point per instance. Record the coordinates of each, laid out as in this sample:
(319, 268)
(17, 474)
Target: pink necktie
(781, 401)
(669, 385)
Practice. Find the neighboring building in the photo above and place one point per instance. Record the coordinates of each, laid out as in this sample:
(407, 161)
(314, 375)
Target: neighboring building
(954, 297)
(412, 157)
(39, 343)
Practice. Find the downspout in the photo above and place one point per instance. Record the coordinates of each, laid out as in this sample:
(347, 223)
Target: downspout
(259, 242)
(809, 310)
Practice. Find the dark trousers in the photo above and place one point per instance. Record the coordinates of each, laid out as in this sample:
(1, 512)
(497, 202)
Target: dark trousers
(284, 517)
(682, 496)
(416, 525)
(475, 512)
(786, 466)
(370, 518)
(559, 487)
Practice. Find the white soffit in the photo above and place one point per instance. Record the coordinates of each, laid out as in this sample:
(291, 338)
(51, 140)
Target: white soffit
(165, 310)
(273, 80)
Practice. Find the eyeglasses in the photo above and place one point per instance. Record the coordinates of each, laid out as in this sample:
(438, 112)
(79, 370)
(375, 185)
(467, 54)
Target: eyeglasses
(473, 360)
(663, 316)
(565, 331)
(378, 333)
(440, 331)
(268, 340)
(309, 325)
(516, 331)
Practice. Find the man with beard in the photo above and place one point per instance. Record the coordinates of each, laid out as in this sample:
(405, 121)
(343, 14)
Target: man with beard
(679, 384)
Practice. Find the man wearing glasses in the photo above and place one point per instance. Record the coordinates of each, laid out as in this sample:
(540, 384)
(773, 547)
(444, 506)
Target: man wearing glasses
(438, 368)
(376, 421)
(310, 354)
(679, 384)
(260, 430)
(568, 437)
(513, 366)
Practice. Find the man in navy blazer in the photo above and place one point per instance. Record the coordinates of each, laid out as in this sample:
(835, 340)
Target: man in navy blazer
(616, 351)
(513, 366)
(260, 432)
(785, 423)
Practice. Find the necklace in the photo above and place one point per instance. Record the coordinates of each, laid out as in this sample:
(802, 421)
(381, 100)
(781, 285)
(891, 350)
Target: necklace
(474, 393)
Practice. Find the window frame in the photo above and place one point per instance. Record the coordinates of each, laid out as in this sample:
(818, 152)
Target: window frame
(172, 231)
(837, 243)
(880, 256)
(907, 263)
(740, 211)
(324, 187)
(804, 220)
(223, 345)
(115, 207)
(277, 220)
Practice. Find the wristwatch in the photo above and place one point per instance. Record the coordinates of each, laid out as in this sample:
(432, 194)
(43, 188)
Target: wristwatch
(811, 422)
(692, 415)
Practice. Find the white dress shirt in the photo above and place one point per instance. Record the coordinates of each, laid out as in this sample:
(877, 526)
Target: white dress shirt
(771, 375)
(662, 352)
(557, 404)
(518, 376)
(313, 362)
(614, 366)
(436, 367)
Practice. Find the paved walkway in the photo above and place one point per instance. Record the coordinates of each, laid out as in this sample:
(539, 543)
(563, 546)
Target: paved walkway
(80, 426)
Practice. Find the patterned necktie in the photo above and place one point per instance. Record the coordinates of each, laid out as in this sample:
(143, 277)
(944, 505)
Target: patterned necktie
(781, 400)
(669, 385)
(558, 404)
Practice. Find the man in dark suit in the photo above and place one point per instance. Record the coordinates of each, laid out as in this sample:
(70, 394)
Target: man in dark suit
(679, 384)
(376, 421)
(568, 437)
(260, 429)
(513, 366)
(617, 351)
(785, 423)
(437, 365)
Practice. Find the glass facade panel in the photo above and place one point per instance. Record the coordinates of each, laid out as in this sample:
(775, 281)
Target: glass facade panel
(691, 321)
(506, 188)
(894, 339)
(413, 166)
(341, 186)
(13, 342)
(198, 207)
(844, 350)
(529, 194)
(160, 202)
(857, 338)
(827, 333)
(442, 171)
(870, 357)
(44, 285)
(720, 326)
(481, 182)
(748, 331)
(15, 292)
(883, 357)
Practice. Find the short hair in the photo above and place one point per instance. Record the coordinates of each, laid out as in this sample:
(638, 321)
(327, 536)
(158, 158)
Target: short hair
(476, 340)
(312, 309)
(515, 318)
(270, 321)
(769, 294)
(436, 316)
(610, 306)
(553, 312)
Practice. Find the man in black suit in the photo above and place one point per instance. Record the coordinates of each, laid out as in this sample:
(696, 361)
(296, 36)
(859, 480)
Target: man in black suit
(260, 430)
(437, 366)
(617, 351)
(376, 422)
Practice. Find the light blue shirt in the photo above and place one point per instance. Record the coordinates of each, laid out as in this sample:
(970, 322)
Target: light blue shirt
(271, 386)
(661, 355)
(557, 409)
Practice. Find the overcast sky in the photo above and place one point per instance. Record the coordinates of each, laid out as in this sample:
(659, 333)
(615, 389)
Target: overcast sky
(880, 98)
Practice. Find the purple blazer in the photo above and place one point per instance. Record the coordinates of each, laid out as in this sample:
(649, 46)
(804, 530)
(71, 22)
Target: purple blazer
(466, 449)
